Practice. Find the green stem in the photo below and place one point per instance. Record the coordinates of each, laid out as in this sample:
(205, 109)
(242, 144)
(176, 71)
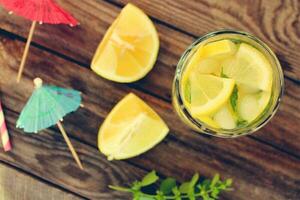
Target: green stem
(167, 197)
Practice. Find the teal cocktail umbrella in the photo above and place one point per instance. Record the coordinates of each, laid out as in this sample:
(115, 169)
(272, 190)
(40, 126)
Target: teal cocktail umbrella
(46, 107)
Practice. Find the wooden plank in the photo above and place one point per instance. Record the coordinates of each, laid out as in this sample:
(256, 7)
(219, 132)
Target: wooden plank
(159, 81)
(86, 36)
(275, 22)
(201, 17)
(259, 171)
(47, 156)
(15, 185)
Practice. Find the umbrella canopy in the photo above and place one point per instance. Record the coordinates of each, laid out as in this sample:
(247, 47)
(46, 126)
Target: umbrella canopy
(47, 105)
(44, 11)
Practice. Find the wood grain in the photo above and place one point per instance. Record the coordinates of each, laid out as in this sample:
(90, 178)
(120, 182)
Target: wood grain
(262, 18)
(159, 82)
(47, 156)
(275, 22)
(15, 185)
(259, 171)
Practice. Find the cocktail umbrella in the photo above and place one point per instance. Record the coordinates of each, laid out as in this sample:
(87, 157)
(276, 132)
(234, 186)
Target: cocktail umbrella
(46, 107)
(42, 11)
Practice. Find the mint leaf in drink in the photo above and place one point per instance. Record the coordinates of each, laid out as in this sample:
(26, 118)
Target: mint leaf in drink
(223, 75)
(234, 95)
(234, 98)
(149, 179)
(241, 122)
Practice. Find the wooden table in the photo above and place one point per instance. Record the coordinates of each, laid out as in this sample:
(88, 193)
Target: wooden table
(264, 166)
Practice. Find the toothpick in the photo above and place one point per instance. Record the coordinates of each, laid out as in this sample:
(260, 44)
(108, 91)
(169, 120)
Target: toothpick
(75, 156)
(25, 54)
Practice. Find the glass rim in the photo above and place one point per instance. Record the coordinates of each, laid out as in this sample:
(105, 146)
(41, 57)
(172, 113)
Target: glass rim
(224, 133)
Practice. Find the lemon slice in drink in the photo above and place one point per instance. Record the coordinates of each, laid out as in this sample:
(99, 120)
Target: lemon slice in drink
(129, 48)
(206, 60)
(218, 49)
(209, 121)
(209, 93)
(131, 128)
(249, 67)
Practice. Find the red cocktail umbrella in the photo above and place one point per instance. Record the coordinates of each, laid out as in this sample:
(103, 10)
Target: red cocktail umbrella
(42, 11)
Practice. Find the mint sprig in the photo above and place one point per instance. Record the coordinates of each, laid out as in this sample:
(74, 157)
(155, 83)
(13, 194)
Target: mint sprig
(168, 189)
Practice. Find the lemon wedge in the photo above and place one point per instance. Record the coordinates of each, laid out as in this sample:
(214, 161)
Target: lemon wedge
(206, 60)
(207, 57)
(209, 93)
(129, 48)
(209, 121)
(218, 49)
(130, 129)
(249, 67)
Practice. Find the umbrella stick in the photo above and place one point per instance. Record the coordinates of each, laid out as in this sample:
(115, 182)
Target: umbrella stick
(25, 54)
(62, 130)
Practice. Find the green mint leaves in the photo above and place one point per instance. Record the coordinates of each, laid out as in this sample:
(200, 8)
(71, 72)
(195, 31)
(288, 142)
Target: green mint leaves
(167, 185)
(223, 75)
(241, 123)
(233, 102)
(169, 189)
(234, 97)
(149, 179)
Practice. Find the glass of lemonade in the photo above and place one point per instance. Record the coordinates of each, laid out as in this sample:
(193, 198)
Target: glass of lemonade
(227, 84)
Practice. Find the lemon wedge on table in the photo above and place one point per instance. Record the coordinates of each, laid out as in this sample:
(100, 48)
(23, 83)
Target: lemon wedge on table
(131, 128)
(129, 48)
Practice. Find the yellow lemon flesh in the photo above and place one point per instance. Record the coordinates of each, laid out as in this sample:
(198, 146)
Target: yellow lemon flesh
(207, 60)
(130, 129)
(129, 48)
(209, 93)
(249, 67)
(226, 84)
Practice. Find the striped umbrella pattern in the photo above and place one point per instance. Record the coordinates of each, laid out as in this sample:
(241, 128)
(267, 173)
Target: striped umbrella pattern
(3, 131)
